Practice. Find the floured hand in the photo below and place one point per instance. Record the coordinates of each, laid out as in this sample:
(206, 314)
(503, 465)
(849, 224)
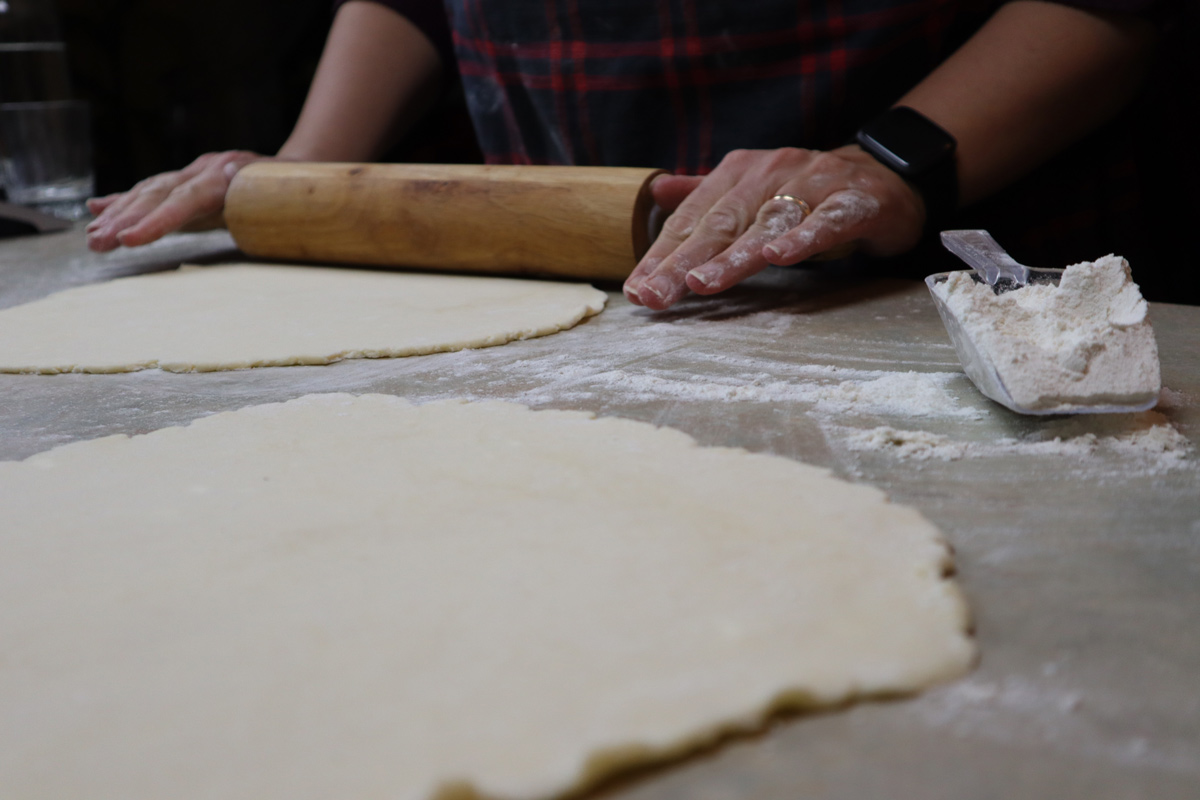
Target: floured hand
(730, 224)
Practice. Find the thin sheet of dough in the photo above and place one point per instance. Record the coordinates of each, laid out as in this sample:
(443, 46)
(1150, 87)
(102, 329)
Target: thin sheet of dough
(357, 597)
(242, 315)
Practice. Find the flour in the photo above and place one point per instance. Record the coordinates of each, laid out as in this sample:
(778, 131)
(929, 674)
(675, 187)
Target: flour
(916, 445)
(907, 394)
(1147, 445)
(1086, 341)
(849, 207)
(1050, 713)
(831, 391)
(1162, 443)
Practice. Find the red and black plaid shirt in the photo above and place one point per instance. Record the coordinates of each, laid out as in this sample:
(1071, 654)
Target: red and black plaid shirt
(677, 84)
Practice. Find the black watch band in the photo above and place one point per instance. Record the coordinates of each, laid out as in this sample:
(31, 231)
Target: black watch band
(922, 152)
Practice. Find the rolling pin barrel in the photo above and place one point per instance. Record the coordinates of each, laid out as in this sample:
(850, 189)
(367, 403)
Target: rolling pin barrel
(585, 222)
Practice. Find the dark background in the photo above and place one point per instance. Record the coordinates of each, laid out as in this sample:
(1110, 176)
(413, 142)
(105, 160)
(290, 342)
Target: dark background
(168, 80)
(171, 79)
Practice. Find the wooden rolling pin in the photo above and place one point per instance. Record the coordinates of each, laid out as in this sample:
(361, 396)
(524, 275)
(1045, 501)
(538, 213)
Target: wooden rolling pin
(584, 222)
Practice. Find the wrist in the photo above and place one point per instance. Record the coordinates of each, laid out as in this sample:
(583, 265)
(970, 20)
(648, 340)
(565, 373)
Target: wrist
(902, 187)
(920, 152)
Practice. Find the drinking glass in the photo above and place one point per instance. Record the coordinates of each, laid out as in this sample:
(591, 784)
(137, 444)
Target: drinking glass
(46, 156)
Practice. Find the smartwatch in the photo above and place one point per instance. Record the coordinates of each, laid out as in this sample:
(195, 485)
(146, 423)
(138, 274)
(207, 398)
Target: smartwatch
(919, 150)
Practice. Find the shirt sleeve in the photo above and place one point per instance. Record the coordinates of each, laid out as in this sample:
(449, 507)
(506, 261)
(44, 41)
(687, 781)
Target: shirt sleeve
(430, 18)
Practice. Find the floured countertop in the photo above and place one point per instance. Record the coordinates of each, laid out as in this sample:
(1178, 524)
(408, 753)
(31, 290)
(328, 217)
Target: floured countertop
(1077, 538)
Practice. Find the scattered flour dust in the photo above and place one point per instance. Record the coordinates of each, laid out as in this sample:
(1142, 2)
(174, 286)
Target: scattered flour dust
(832, 391)
(906, 394)
(916, 445)
(1043, 711)
(1152, 447)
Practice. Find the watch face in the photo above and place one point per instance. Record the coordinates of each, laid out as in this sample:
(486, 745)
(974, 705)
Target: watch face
(906, 141)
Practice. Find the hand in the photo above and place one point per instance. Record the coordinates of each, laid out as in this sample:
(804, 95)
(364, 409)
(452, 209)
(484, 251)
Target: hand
(725, 227)
(190, 198)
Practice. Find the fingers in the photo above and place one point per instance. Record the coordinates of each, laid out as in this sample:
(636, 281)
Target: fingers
(201, 196)
(842, 217)
(668, 191)
(716, 234)
(116, 211)
(703, 225)
(127, 209)
(96, 205)
(164, 203)
(659, 281)
(746, 257)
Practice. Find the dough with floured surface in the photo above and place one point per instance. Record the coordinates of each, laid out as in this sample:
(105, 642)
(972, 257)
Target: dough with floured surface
(357, 597)
(236, 316)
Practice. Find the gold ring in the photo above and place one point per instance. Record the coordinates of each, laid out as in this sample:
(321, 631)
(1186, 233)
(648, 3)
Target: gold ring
(803, 205)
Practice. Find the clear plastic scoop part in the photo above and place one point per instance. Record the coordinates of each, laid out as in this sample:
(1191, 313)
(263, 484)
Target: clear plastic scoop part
(989, 260)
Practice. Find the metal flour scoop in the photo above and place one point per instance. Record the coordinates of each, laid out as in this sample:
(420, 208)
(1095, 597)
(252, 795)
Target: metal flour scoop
(1000, 271)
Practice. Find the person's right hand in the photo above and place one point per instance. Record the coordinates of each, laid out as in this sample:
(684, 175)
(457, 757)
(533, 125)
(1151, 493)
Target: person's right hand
(190, 198)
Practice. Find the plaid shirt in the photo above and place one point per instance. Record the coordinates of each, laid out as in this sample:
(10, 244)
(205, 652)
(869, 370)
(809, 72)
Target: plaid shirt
(677, 84)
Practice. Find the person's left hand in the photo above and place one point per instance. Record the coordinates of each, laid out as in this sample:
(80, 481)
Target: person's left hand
(727, 226)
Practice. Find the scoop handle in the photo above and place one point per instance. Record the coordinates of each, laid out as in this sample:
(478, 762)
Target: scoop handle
(985, 255)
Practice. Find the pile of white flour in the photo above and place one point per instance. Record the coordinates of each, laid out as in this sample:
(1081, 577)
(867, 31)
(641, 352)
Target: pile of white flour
(1086, 341)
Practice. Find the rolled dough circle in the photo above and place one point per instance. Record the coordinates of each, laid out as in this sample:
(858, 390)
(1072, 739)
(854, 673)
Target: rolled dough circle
(346, 596)
(234, 316)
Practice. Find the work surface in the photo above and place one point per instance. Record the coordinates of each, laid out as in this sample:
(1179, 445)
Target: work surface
(1080, 557)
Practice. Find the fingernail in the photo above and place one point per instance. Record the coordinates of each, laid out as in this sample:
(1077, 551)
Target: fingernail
(659, 287)
(772, 252)
(706, 277)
